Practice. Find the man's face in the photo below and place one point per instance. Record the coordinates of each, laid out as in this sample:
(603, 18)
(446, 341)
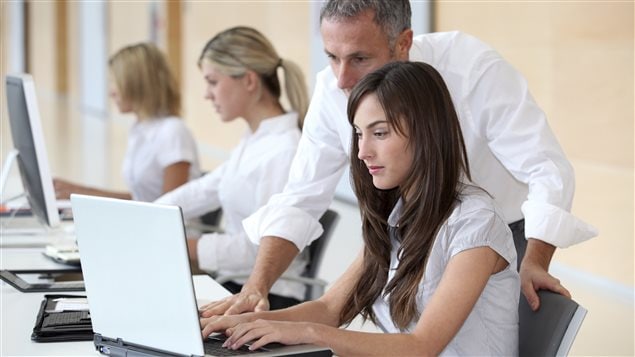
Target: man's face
(355, 47)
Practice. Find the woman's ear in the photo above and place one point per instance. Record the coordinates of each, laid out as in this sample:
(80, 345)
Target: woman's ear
(252, 80)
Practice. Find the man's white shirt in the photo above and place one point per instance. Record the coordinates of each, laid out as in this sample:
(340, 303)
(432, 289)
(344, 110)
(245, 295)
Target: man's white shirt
(512, 152)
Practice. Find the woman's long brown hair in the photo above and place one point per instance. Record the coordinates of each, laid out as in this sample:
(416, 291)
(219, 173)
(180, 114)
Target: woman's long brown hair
(418, 106)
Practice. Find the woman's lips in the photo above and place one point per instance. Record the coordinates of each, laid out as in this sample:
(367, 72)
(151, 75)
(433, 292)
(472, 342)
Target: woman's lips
(374, 169)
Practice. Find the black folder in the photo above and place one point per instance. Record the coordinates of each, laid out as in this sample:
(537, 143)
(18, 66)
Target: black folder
(57, 326)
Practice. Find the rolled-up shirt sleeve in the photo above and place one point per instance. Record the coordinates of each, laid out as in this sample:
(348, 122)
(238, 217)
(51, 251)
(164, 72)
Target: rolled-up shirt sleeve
(216, 251)
(196, 197)
(316, 169)
(519, 136)
(553, 225)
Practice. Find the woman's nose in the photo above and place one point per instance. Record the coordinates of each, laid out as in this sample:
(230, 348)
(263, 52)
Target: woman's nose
(364, 150)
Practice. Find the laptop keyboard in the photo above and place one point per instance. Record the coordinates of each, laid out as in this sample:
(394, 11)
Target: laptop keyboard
(213, 345)
(216, 349)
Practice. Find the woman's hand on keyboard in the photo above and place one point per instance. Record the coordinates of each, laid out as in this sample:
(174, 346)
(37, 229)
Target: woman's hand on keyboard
(260, 332)
(220, 323)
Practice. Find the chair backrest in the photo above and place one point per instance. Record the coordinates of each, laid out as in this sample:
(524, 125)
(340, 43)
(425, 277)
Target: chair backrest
(551, 330)
(316, 249)
(212, 218)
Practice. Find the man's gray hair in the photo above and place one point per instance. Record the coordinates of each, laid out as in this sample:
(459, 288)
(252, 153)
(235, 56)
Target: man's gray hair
(392, 16)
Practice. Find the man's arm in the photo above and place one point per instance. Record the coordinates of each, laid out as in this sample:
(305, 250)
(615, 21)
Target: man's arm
(522, 141)
(274, 256)
(534, 272)
(294, 214)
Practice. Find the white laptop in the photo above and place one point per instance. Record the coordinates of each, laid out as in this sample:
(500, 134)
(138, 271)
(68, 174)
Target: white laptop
(139, 284)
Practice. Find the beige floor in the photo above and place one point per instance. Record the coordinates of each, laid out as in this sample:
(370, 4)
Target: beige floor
(90, 149)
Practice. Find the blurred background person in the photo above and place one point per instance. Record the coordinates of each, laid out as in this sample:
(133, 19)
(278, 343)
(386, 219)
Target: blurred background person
(162, 153)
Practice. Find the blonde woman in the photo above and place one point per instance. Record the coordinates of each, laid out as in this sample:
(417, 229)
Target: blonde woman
(242, 71)
(161, 154)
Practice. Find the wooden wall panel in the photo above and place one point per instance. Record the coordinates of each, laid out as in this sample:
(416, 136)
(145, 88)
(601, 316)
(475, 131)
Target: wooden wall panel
(41, 45)
(578, 59)
(284, 23)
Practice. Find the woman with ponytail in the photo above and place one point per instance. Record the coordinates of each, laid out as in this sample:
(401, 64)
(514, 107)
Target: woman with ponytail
(242, 71)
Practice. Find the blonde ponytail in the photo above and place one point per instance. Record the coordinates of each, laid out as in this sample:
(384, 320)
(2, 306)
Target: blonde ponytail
(296, 89)
(241, 48)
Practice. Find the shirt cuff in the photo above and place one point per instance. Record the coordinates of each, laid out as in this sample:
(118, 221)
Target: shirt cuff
(553, 225)
(206, 253)
(290, 223)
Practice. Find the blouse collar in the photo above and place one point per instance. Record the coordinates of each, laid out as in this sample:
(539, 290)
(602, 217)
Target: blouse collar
(277, 124)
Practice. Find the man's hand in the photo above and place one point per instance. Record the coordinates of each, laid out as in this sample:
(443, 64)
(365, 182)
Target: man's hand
(245, 301)
(534, 274)
(274, 256)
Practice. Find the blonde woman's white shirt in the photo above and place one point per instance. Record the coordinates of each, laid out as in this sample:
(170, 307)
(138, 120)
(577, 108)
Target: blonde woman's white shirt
(491, 328)
(256, 169)
(153, 145)
(512, 152)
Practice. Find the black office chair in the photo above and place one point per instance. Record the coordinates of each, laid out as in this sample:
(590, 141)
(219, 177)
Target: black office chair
(551, 330)
(315, 287)
(212, 219)
(207, 223)
(315, 253)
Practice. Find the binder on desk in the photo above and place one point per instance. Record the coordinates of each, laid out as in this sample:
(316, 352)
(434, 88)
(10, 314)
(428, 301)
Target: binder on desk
(63, 318)
(17, 279)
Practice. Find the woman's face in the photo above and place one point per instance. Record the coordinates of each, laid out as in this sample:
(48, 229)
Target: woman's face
(123, 105)
(384, 151)
(228, 94)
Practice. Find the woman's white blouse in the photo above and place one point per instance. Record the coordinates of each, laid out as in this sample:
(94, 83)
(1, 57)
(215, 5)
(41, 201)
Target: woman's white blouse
(153, 145)
(256, 169)
(491, 329)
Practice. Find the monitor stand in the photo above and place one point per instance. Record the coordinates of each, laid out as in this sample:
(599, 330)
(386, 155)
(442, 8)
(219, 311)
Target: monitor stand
(4, 176)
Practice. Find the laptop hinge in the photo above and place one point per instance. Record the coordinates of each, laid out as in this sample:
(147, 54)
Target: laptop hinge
(110, 348)
(120, 348)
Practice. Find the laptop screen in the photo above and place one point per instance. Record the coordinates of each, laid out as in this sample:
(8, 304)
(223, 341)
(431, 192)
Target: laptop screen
(138, 281)
(137, 273)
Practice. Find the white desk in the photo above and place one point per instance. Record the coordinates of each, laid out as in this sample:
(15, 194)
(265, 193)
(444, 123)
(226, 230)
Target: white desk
(10, 236)
(29, 259)
(19, 310)
(24, 252)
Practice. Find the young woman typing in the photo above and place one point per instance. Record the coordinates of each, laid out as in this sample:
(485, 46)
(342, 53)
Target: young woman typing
(438, 269)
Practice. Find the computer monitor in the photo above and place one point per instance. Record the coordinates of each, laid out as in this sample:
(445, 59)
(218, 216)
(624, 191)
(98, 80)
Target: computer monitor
(28, 141)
